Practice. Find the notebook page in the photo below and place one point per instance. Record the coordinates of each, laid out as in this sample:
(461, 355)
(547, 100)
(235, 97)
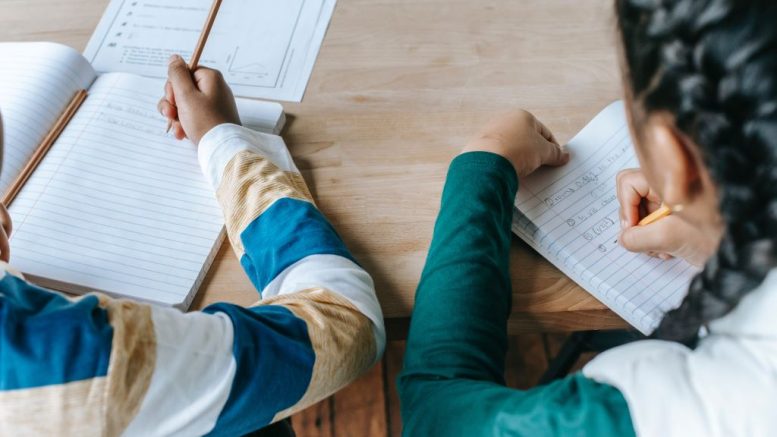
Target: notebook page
(37, 81)
(117, 205)
(570, 216)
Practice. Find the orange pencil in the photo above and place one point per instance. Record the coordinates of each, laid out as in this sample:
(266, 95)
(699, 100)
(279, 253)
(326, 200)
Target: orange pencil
(657, 215)
(44, 146)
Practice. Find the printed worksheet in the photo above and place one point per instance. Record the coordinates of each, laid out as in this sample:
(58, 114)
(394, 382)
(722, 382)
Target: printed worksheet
(265, 48)
(570, 216)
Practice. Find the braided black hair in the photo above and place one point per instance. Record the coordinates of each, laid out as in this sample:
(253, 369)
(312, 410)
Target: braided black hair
(713, 65)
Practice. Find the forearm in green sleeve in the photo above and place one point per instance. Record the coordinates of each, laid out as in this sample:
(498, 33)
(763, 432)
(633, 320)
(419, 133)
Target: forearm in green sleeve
(458, 327)
(452, 383)
(574, 406)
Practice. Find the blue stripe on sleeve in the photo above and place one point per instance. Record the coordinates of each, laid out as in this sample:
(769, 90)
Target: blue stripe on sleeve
(274, 360)
(287, 232)
(46, 339)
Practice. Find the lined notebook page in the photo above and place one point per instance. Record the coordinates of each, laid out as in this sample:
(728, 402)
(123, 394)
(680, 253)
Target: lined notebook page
(37, 81)
(570, 216)
(117, 205)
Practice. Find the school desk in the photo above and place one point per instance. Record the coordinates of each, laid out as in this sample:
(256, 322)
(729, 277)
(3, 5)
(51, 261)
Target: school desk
(398, 89)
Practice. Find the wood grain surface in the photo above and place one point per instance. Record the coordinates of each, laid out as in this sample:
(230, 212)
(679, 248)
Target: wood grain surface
(399, 87)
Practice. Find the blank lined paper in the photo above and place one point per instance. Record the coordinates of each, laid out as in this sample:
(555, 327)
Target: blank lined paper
(570, 216)
(117, 205)
(37, 81)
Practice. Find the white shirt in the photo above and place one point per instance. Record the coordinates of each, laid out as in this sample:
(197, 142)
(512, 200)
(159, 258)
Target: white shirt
(727, 386)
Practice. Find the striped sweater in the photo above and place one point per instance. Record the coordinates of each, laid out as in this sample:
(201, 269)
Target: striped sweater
(98, 366)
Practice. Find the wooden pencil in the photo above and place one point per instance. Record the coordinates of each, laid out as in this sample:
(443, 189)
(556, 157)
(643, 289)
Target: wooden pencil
(656, 215)
(195, 60)
(44, 146)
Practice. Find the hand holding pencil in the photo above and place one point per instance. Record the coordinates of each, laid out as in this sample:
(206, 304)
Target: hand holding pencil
(197, 99)
(196, 102)
(648, 226)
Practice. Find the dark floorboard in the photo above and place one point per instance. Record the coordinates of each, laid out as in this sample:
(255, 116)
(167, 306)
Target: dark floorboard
(370, 406)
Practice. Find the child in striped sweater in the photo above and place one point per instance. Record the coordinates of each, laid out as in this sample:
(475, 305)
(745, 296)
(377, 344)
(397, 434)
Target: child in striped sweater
(701, 88)
(98, 366)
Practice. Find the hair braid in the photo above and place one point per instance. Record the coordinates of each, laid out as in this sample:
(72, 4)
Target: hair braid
(713, 64)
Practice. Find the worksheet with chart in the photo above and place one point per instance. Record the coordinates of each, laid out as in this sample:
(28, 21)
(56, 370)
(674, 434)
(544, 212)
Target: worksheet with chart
(570, 216)
(265, 48)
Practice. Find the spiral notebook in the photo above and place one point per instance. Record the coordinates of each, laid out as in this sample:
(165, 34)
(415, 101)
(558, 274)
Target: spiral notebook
(570, 216)
(116, 205)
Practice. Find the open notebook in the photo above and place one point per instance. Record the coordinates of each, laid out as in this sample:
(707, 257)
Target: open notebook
(116, 205)
(570, 216)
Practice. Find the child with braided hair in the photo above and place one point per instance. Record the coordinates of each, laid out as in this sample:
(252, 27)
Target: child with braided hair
(701, 92)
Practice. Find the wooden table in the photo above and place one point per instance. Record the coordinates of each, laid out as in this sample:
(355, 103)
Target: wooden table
(399, 87)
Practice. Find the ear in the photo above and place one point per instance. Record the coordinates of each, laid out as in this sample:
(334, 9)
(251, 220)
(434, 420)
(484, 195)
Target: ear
(673, 158)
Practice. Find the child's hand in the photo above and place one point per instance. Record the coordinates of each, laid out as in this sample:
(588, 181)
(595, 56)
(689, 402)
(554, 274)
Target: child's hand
(6, 226)
(196, 103)
(523, 140)
(669, 237)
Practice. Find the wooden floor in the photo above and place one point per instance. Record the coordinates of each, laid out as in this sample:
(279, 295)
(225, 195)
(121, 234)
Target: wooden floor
(370, 406)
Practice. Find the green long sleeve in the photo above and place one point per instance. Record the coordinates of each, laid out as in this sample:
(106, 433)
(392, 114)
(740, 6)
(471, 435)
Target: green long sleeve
(452, 382)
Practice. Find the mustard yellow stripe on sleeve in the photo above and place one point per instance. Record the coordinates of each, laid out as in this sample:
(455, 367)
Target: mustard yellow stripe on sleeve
(250, 185)
(132, 362)
(342, 339)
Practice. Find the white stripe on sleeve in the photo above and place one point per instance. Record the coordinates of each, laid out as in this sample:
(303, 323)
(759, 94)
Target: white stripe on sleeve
(223, 142)
(192, 377)
(338, 275)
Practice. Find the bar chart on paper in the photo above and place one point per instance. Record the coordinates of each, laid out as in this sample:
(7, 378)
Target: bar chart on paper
(264, 48)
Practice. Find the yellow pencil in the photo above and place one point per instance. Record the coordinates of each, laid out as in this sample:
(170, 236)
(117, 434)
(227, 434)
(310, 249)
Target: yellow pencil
(657, 215)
